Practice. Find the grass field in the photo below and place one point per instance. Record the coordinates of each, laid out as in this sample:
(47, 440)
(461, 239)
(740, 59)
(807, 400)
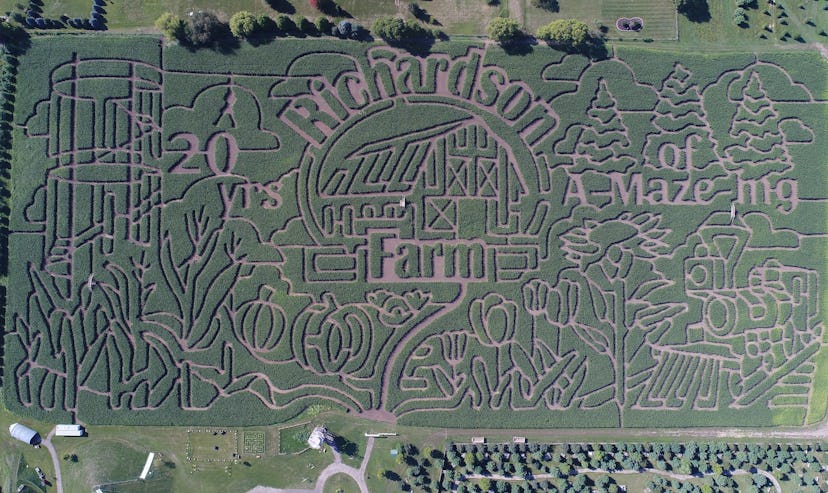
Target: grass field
(380, 234)
(341, 483)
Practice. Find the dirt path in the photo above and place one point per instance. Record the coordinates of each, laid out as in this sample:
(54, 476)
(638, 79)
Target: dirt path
(822, 49)
(680, 477)
(337, 467)
(48, 444)
(516, 12)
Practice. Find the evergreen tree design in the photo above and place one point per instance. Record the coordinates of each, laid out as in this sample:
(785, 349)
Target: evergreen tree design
(681, 121)
(760, 146)
(605, 143)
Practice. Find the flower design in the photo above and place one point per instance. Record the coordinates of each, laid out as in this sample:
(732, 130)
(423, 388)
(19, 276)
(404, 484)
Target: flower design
(493, 319)
(627, 236)
(395, 310)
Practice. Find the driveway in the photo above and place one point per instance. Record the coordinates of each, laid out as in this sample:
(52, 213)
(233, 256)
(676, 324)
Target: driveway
(337, 467)
(48, 444)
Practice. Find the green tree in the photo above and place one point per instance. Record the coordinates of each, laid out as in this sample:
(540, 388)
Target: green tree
(694, 10)
(570, 33)
(324, 25)
(739, 17)
(205, 28)
(10, 32)
(285, 24)
(172, 26)
(244, 24)
(503, 30)
(391, 29)
(485, 484)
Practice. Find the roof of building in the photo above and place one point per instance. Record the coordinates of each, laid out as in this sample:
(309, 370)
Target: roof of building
(68, 427)
(317, 437)
(24, 434)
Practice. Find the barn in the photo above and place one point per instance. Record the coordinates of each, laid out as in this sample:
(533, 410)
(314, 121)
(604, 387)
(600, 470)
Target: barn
(24, 434)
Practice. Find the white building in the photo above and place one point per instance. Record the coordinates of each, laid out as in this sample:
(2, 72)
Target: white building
(69, 431)
(24, 434)
(318, 437)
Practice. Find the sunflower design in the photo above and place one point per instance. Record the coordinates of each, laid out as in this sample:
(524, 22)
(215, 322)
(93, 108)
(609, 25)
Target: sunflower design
(616, 242)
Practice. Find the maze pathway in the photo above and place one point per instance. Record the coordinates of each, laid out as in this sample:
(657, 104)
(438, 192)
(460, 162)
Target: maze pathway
(419, 239)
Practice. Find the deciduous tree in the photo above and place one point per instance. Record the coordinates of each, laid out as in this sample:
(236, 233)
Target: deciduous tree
(503, 30)
(565, 32)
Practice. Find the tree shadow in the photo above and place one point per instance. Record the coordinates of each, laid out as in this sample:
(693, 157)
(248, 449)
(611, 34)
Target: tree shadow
(333, 9)
(548, 5)
(696, 10)
(392, 476)
(521, 46)
(420, 47)
(261, 39)
(345, 446)
(594, 48)
(282, 6)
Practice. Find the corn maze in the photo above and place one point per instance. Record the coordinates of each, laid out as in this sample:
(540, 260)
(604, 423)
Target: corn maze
(464, 239)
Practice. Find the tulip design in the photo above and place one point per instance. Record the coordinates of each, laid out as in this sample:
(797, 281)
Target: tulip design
(494, 323)
(493, 319)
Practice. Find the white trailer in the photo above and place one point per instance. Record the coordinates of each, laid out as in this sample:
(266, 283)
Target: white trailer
(69, 430)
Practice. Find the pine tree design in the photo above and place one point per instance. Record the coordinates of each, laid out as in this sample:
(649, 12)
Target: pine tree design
(605, 143)
(760, 145)
(684, 140)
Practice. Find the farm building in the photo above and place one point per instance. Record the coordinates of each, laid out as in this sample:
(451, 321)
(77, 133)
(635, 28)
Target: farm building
(24, 434)
(69, 430)
(318, 437)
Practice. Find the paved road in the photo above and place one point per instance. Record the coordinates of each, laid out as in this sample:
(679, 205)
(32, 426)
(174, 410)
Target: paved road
(337, 467)
(48, 444)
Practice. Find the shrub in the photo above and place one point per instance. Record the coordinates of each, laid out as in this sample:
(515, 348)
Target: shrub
(503, 30)
(172, 26)
(743, 3)
(565, 32)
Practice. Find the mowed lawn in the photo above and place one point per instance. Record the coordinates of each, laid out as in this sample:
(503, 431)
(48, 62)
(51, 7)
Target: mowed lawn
(782, 23)
(458, 17)
(454, 16)
(786, 22)
(659, 16)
